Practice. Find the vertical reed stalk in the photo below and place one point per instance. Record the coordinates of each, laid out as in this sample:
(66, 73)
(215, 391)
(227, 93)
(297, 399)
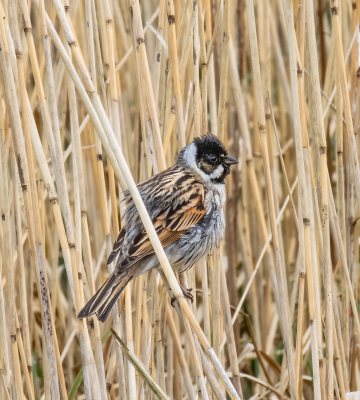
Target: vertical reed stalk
(175, 68)
(6, 227)
(283, 297)
(296, 87)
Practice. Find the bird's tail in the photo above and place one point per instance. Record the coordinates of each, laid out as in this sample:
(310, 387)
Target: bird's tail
(105, 298)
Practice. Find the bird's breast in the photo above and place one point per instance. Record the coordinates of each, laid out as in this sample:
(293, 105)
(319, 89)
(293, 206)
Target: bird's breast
(214, 224)
(214, 196)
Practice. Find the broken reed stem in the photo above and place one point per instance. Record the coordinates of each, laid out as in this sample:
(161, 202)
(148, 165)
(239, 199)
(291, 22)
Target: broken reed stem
(140, 368)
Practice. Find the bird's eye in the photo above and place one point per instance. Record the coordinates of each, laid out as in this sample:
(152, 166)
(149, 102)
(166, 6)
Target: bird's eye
(213, 159)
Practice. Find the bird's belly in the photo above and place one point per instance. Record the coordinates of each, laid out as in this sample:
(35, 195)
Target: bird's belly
(198, 242)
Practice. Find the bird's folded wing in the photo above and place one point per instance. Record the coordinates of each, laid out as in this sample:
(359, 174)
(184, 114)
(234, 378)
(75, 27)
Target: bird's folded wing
(117, 246)
(170, 225)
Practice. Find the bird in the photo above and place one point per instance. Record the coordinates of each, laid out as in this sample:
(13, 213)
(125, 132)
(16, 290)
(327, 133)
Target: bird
(186, 205)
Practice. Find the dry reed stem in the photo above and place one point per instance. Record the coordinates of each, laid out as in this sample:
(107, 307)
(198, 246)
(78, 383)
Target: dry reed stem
(84, 234)
(180, 354)
(283, 299)
(52, 350)
(5, 217)
(188, 330)
(230, 332)
(250, 167)
(145, 74)
(263, 251)
(196, 63)
(300, 134)
(74, 259)
(140, 368)
(224, 70)
(175, 69)
(347, 107)
(325, 258)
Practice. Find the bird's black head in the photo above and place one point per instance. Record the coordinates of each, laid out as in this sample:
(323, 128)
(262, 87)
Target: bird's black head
(212, 158)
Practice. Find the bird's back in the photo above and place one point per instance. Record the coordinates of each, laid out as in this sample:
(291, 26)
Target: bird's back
(165, 196)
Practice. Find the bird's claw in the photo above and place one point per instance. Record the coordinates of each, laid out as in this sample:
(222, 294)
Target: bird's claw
(186, 293)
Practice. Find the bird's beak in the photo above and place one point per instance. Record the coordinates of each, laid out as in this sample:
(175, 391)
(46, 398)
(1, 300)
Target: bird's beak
(230, 160)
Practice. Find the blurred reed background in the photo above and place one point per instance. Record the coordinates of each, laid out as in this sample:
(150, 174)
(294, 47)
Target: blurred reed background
(86, 85)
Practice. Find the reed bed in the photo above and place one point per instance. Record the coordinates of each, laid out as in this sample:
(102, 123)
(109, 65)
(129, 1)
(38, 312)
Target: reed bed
(98, 95)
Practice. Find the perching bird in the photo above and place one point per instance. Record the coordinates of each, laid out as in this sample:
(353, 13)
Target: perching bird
(185, 203)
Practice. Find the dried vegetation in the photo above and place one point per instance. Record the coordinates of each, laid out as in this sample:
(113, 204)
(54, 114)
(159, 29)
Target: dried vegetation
(98, 95)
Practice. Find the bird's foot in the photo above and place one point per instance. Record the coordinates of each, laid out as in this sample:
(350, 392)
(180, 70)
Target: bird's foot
(186, 293)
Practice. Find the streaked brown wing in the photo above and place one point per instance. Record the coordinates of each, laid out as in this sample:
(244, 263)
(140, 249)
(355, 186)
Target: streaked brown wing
(117, 246)
(163, 183)
(170, 225)
(142, 246)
